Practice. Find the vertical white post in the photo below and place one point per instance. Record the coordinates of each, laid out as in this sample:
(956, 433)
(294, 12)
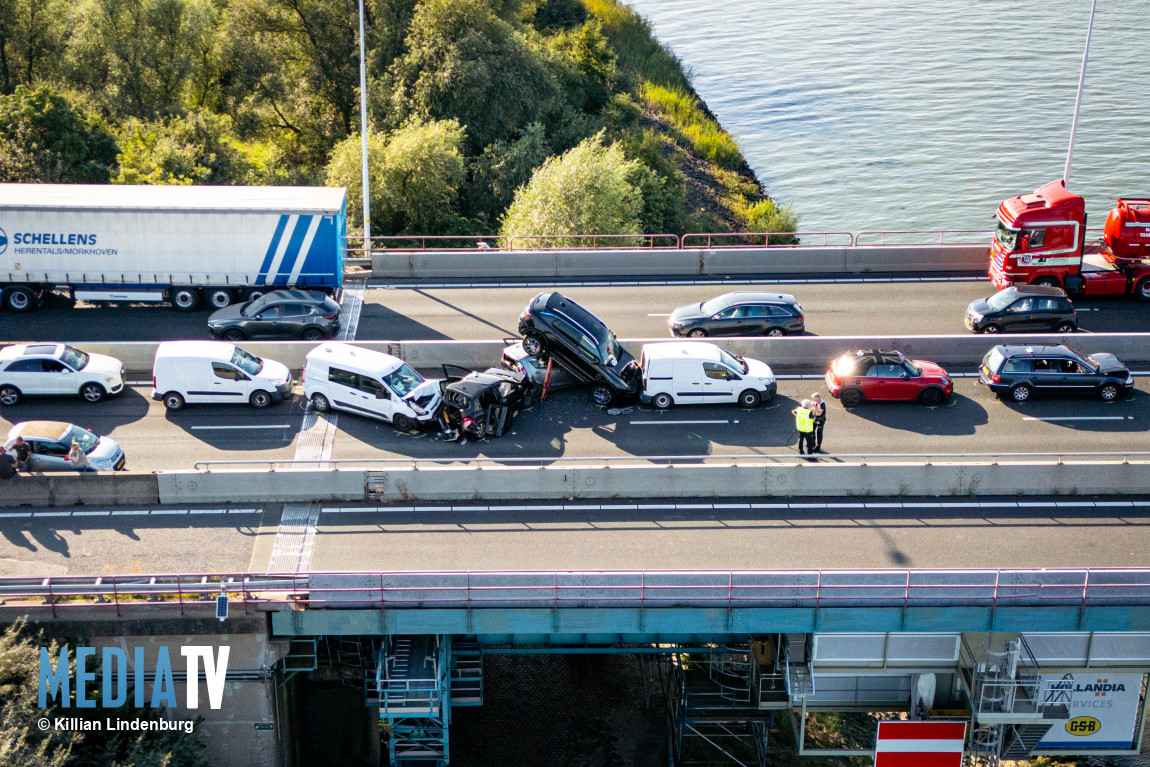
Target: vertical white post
(363, 135)
(1078, 99)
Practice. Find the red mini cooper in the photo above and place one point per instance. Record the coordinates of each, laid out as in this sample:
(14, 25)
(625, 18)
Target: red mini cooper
(872, 374)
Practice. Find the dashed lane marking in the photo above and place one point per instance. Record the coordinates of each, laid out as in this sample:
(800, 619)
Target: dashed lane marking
(257, 426)
(674, 423)
(1078, 418)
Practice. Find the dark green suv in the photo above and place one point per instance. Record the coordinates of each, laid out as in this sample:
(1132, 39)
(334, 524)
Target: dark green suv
(1020, 372)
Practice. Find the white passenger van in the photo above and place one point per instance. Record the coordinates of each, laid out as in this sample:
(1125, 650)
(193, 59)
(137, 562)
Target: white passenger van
(696, 372)
(370, 383)
(216, 371)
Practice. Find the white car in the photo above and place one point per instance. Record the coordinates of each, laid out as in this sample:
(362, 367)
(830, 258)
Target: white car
(370, 383)
(57, 369)
(51, 441)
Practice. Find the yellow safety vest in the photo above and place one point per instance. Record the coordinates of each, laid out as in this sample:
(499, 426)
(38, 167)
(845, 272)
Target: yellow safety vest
(804, 420)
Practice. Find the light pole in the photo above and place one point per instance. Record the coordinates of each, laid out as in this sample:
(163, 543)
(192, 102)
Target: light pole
(363, 135)
(1078, 99)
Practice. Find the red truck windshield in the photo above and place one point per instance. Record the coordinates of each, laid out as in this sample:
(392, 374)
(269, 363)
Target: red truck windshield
(1006, 237)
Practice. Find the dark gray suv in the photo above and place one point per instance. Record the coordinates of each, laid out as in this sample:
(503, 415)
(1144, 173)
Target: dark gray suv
(1023, 309)
(1020, 372)
(743, 313)
(302, 314)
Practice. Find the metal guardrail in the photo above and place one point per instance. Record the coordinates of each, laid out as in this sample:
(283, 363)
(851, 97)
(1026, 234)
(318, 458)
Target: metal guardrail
(984, 239)
(714, 240)
(742, 459)
(729, 589)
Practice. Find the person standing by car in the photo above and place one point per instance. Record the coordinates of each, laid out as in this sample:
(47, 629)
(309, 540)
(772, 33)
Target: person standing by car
(22, 452)
(819, 411)
(805, 426)
(7, 465)
(78, 458)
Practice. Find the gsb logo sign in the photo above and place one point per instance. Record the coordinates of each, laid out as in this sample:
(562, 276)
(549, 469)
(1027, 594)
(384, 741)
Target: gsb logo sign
(3, 242)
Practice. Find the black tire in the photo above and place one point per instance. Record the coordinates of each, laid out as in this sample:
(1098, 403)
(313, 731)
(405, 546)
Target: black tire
(254, 293)
(1050, 282)
(931, 397)
(220, 297)
(698, 333)
(1109, 392)
(19, 299)
(260, 399)
(992, 329)
(1142, 290)
(603, 395)
(749, 398)
(173, 400)
(1065, 327)
(319, 403)
(234, 334)
(313, 334)
(533, 344)
(1021, 392)
(185, 299)
(776, 332)
(402, 422)
(852, 397)
(663, 401)
(92, 392)
(9, 395)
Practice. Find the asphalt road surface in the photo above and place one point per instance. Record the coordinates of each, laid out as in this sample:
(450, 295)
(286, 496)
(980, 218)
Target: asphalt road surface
(864, 308)
(797, 533)
(568, 424)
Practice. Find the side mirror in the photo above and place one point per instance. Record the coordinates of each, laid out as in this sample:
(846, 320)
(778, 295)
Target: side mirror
(904, 375)
(611, 361)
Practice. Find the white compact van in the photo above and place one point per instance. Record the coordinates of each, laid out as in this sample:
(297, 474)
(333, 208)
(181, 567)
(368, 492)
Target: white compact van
(370, 383)
(216, 371)
(696, 372)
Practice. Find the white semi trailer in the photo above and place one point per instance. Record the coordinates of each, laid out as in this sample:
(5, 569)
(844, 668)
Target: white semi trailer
(180, 244)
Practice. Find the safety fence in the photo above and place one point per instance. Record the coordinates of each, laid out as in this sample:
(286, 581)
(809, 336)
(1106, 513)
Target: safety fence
(706, 589)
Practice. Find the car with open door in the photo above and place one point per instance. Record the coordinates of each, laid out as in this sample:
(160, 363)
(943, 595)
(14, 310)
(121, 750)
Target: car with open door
(482, 404)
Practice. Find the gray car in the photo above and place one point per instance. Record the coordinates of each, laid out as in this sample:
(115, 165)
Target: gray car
(742, 313)
(51, 440)
(305, 314)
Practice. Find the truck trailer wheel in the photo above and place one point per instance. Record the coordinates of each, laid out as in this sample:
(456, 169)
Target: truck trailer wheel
(19, 299)
(1142, 291)
(220, 297)
(185, 299)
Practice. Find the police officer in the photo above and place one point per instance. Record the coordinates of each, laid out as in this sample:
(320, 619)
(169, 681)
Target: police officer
(805, 426)
(819, 409)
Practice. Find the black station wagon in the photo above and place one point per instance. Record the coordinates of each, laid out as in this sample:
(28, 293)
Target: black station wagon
(483, 404)
(1020, 372)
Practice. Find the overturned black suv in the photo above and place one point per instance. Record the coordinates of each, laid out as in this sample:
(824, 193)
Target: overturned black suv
(483, 404)
(555, 326)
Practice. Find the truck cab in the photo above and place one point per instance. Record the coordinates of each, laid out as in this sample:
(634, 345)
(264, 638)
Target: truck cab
(1040, 237)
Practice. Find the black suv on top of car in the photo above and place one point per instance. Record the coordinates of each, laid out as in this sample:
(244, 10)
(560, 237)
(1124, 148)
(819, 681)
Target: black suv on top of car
(1023, 309)
(742, 313)
(1020, 372)
(557, 327)
(305, 314)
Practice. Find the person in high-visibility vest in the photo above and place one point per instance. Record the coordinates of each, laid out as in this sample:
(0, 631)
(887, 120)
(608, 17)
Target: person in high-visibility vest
(805, 426)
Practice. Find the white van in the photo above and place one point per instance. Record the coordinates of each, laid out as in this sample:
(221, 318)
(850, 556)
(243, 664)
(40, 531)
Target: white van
(216, 371)
(695, 372)
(370, 383)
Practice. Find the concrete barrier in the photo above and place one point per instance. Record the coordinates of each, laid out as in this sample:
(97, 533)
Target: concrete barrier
(119, 488)
(643, 262)
(806, 352)
(260, 486)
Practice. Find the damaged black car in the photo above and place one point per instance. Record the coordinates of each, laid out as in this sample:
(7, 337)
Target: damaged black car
(480, 405)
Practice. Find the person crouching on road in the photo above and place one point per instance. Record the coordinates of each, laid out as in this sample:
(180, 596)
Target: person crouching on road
(78, 458)
(819, 409)
(23, 452)
(805, 426)
(7, 465)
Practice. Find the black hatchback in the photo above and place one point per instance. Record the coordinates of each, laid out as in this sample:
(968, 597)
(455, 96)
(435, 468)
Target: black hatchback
(743, 313)
(1023, 309)
(1020, 372)
(305, 314)
(483, 404)
(556, 327)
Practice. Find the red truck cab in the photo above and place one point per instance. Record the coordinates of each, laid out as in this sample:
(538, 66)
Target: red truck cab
(1041, 240)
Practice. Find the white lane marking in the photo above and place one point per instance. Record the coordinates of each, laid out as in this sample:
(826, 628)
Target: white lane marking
(659, 315)
(161, 512)
(257, 426)
(663, 423)
(137, 383)
(1078, 418)
(15, 514)
(91, 513)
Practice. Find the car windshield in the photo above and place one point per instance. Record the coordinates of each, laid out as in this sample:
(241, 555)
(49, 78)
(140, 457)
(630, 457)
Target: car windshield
(1002, 299)
(1006, 237)
(915, 370)
(74, 358)
(993, 360)
(86, 438)
(252, 309)
(1093, 363)
(403, 380)
(733, 362)
(715, 305)
(247, 362)
(612, 347)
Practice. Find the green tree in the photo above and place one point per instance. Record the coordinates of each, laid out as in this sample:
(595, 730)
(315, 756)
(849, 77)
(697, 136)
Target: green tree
(415, 175)
(22, 744)
(466, 63)
(502, 168)
(44, 139)
(195, 149)
(31, 35)
(586, 191)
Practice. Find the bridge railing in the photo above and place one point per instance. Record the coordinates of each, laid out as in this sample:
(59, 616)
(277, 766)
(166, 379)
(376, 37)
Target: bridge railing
(720, 240)
(727, 589)
(741, 459)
